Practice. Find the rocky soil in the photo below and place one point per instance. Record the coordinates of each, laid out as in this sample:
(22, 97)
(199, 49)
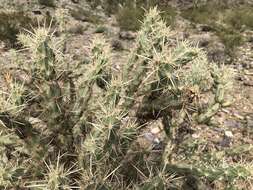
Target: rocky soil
(237, 121)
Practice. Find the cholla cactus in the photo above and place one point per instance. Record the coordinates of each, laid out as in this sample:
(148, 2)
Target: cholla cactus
(62, 17)
(94, 113)
(56, 177)
(11, 100)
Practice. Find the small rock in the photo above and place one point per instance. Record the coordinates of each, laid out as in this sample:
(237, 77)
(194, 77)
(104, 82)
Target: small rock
(204, 28)
(77, 29)
(228, 134)
(202, 39)
(226, 141)
(231, 123)
(238, 116)
(246, 65)
(250, 39)
(248, 83)
(250, 122)
(151, 138)
(217, 52)
(117, 45)
(225, 110)
(37, 12)
(127, 35)
(195, 136)
(75, 1)
(155, 130)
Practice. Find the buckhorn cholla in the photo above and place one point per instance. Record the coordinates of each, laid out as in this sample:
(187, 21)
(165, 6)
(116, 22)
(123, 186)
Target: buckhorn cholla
(92, 114)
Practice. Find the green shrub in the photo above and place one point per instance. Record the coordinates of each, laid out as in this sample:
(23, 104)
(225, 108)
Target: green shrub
(129, 14)
(225, 20)
(48, 3)
(230, 38)
(85, 124)
(101, 29)
(129, 18)
(85, 15)
(239, 17)
(204, 14)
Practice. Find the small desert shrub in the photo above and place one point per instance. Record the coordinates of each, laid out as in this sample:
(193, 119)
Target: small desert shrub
(204, 14)
(230, 38)
(240, 17)
(129, 18)
(101, 29)
(85, 15)
(129, 14)
(48, 3)
(79, 126)
(232, 19)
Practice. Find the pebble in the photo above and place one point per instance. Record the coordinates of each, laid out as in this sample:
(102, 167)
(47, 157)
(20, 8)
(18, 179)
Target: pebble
(226, 141)
(155, 130)
(228, 134)
(231, 123)
(151, 138)
(248, 83)
(117, 45)
(250, 122)
(75, 1)
(195, 136)
(238, 116)
(127, 35)
(225, 110)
